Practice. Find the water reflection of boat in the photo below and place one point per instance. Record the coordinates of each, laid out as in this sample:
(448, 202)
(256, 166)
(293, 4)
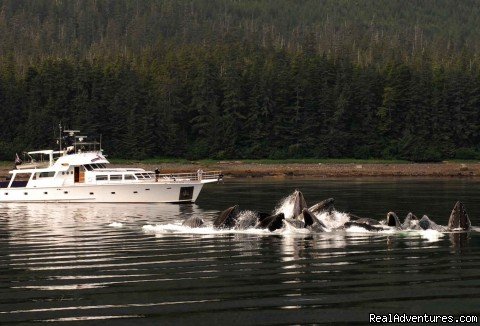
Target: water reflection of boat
(79, 173)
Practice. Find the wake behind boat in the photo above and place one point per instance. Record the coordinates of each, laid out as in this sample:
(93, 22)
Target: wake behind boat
(80, 173)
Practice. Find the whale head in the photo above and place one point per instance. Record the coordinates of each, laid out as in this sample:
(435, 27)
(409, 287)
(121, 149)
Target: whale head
(459, 218)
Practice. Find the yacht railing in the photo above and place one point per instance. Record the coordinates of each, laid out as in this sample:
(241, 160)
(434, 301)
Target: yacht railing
(197, 176)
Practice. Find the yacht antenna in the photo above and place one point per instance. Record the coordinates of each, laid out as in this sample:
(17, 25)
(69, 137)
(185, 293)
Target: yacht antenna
(60, 136)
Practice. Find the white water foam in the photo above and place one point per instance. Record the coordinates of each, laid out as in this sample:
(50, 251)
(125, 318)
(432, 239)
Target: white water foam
(163, 229)
(116, 225)
(333, 220)
(432, 235)
(285, 206)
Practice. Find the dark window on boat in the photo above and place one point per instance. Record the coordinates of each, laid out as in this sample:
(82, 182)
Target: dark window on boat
(135, 192)
(65, 192)
(46, 174)
(186, 193)
(91, 193)
(116, 177)
(102, 177)
(102, 166)
(6, 194)
(113, 192)
(139, 176)
(146, 175)
(25, 193)
(147, 189)
(45, 193)
(129, 177)
(21, 180)
(88, 167)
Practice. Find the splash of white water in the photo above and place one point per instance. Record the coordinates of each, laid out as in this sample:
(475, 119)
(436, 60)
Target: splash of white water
(333, 220)
(286, 206)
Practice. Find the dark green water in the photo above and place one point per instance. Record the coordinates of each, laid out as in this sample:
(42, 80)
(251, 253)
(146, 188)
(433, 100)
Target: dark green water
(70, 264)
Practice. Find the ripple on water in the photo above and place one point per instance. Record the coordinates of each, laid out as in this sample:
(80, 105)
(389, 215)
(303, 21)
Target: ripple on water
(137, 264)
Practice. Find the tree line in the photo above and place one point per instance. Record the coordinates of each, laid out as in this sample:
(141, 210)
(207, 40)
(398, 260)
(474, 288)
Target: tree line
(245, 100)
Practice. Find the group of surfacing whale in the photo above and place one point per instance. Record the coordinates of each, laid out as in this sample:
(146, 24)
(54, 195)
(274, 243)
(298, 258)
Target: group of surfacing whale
(304, 217)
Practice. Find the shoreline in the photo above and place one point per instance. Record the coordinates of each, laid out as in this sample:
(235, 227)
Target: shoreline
(238, 169)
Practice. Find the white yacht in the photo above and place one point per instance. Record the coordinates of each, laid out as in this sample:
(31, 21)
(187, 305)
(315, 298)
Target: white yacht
(80, 173)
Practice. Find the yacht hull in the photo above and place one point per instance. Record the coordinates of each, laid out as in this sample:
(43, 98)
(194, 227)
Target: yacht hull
(107, 193)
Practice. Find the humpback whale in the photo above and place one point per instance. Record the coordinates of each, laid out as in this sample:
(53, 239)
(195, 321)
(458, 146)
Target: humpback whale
(297, 224)
(298, 216)
(324, 205)
(312, 222)
(459, 218)
(227, 218)
(393, 220)
(271, 223)
(193, 222)
(410, 221)
(298, 203)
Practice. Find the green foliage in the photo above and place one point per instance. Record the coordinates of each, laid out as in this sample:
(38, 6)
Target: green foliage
(466, 154)
(229, 79)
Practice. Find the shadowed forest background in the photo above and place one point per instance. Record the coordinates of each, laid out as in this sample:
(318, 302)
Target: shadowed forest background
(244, 79)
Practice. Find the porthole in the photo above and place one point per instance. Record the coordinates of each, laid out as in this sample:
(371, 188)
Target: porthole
(6, 194)
(113, 192)
(147, 189)
(45, 193)
(25, 193)
(65, 192)
(135, 192)
(91, 193)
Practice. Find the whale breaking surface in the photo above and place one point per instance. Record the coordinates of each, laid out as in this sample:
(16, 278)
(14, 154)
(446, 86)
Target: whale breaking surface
(293, 216)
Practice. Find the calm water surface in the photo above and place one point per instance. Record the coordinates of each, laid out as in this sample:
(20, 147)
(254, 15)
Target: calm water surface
(96, 263)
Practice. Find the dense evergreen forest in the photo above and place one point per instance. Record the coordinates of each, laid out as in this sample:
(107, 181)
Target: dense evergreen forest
(243, 78)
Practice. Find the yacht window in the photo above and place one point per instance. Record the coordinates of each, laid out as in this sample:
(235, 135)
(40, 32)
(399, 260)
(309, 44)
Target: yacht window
(20, 180)
(146, 175)
(46, 174)
(102, 177)
(139, 176)
(88, 167)
(129, 177)
(116, 177)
